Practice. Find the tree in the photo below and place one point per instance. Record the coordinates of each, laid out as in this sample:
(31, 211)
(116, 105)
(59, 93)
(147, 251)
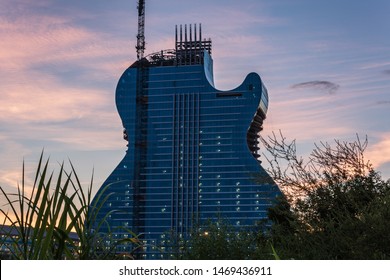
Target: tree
(218, 240)
(336, 205)
(325, 165)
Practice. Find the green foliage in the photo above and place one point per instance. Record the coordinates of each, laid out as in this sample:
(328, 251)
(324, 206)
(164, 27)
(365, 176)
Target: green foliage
(218, 240)
(351, 221)
(54, 220)
(337, 206)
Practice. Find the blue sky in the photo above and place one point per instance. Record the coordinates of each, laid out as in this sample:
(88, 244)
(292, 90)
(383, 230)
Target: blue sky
(326, 65)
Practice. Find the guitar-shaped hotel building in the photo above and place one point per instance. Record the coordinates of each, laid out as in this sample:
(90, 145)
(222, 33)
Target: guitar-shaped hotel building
(192, 152)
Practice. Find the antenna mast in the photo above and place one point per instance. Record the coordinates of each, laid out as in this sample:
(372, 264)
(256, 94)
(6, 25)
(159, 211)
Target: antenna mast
(141, 30)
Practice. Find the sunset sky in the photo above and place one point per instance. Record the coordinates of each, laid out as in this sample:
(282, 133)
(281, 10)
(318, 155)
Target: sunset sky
(326, 65)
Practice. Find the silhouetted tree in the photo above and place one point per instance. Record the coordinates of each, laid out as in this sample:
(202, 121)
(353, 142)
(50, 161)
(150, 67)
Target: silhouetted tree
(336, 205)
(325, 165)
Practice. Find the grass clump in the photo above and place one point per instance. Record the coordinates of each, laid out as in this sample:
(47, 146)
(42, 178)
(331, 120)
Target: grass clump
(55, 220)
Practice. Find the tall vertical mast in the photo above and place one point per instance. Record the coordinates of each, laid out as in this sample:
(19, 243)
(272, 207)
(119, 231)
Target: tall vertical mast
(141, 30)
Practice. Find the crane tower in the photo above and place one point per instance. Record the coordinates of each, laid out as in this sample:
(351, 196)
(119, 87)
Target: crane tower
(141, 30)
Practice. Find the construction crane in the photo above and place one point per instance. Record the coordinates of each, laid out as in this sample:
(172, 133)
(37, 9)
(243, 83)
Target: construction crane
(141, 30)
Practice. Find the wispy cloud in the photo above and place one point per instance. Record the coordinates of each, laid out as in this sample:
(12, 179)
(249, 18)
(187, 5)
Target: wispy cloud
(324, 86)
(386, 72)
(57, 88)
(383, 102)
(375, 65)
(54, 71)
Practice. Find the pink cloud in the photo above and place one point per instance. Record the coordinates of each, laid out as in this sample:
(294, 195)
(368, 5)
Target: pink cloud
(36, 103)
(31, 94)
(379, 153)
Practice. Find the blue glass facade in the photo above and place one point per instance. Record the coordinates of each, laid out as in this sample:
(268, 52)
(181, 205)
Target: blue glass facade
(192, 149)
